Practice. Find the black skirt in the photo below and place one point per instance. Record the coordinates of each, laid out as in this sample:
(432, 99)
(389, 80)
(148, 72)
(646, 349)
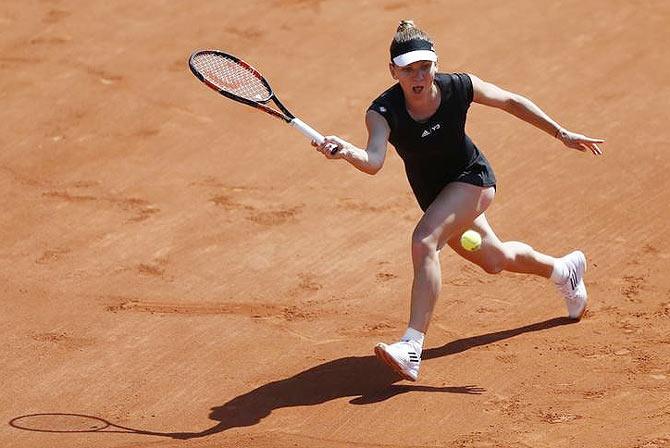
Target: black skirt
(478, 173)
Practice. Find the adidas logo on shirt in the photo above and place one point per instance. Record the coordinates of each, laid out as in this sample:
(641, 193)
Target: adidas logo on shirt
(427, 132)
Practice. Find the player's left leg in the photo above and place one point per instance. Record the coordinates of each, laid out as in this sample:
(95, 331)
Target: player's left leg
(495, 256)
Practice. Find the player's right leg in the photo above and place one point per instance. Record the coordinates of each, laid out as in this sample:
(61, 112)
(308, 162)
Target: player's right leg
(456, 206)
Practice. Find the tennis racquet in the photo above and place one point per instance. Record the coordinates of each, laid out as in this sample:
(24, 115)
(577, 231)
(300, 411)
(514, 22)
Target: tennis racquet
(235, 79)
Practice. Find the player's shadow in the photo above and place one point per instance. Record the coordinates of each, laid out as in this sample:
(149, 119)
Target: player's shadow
(461, 345)
(363, 378)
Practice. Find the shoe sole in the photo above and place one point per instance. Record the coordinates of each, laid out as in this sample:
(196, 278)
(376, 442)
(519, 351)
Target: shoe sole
(579, 317)
(389, 361)
(583, 311)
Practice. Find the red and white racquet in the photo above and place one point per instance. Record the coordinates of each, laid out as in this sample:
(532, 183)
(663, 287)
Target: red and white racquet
(233, 78)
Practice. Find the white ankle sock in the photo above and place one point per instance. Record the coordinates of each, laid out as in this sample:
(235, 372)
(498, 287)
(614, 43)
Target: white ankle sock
(413, 335)
(560, 273)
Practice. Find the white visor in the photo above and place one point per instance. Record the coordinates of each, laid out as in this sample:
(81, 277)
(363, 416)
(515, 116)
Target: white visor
(413, 56)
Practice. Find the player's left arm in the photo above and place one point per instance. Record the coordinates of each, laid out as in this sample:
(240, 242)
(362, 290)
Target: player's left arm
(491, 95)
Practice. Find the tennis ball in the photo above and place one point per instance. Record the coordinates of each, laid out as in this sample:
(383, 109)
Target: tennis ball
(471, 240)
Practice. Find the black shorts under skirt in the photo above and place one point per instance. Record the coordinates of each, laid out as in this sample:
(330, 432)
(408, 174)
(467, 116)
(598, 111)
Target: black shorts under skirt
(478, 173)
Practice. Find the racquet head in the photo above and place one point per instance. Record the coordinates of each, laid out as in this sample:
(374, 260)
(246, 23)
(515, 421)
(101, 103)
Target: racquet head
(59, 423)
(230, 76)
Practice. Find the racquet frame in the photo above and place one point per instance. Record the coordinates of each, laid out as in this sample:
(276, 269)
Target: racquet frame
(283, 112)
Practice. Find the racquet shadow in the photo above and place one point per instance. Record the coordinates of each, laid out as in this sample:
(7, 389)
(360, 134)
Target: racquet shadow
(362, 378)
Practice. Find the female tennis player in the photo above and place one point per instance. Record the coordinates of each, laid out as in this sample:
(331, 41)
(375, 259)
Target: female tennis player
(423, 116)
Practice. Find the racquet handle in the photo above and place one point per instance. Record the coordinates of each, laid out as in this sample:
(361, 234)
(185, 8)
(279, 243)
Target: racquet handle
(309, 132)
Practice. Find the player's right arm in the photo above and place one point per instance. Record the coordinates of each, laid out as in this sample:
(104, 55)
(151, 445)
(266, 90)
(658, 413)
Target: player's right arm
(369, 160)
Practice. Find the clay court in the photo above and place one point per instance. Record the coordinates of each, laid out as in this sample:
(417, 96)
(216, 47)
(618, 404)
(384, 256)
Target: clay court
(179, 270)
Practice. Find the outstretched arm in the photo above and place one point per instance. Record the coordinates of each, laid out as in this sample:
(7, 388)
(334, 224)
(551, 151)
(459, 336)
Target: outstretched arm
(523, 108)
(369, 160)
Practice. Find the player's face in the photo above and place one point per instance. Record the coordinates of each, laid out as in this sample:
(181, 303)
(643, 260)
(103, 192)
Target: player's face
(415, 78)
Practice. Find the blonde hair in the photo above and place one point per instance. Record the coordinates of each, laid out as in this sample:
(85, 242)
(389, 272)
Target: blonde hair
(407, 30)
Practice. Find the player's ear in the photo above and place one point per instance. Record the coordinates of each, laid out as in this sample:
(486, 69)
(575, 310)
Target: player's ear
(392, 69)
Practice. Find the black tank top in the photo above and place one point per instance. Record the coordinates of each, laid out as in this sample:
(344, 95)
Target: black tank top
(435, 151)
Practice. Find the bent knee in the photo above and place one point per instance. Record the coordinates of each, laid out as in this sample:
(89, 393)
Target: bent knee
(494, 262)
(423, 244)
(492, 267)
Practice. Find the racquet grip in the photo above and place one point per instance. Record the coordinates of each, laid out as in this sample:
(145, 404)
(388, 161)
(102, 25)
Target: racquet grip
(310, 133)
(307, 130)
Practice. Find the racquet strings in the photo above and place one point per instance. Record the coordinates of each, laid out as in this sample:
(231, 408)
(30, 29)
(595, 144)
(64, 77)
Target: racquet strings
(231, 76)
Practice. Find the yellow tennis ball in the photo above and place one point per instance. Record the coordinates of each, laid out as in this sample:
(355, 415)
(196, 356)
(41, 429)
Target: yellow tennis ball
(471, 240)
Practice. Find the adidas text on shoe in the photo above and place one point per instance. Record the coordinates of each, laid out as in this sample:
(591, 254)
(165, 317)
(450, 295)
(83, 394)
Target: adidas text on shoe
(401, 357)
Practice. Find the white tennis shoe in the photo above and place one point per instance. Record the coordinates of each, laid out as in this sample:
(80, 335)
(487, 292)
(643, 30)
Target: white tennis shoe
(574, 290)
(403, 357)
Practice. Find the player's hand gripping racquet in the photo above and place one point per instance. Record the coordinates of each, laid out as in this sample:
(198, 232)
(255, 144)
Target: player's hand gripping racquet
(237, 80)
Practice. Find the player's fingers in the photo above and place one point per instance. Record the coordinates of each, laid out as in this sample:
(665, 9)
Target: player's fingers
(596, 150)
(591, 148)
(594, 140)
(332, 144)
(586, 148)
(326, 148)
(322, 147)
(334, 147)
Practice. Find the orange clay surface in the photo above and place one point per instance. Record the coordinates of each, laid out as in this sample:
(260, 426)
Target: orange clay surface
(192, 270)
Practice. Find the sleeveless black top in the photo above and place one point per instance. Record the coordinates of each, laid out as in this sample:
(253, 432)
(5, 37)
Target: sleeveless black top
(436, 151)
